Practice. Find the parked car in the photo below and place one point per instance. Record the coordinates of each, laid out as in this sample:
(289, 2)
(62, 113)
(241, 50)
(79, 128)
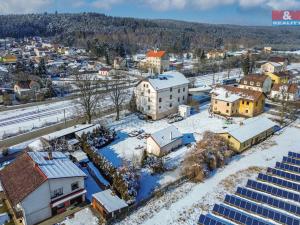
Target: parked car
(175, 119)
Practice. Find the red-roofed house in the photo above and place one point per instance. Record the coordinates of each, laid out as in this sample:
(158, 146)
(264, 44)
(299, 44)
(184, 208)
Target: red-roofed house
(158, 61)
(39, 185)
(287, 92)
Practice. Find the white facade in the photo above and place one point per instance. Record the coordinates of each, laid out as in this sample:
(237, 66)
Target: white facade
(163, 141)
(272, 67)
(158, 98)
(36, 206)
(283, 95)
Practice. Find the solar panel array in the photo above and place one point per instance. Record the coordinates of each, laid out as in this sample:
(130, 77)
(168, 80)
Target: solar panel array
(287, 167)
(273, 190)
(271, 199)
(267, 199)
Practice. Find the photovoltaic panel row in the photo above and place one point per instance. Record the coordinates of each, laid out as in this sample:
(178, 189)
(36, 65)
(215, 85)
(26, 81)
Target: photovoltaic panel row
(284, 174)
(273, 190)
(291, 160)
(288, 167)
(294, 155)
(279, 181)
(261, 210)
(211, 220)
(269, 200)
(237, 216)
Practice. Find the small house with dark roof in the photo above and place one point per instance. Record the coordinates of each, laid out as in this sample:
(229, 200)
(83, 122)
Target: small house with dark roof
(256, 82)
(39, 185)
(26, 89)
(286, 92)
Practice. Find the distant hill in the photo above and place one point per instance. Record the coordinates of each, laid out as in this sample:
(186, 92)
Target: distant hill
(100, 32)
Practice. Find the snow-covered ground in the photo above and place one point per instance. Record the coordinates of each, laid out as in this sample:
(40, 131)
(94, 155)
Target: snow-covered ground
(185, 204)
(29, 118)
(83, 217)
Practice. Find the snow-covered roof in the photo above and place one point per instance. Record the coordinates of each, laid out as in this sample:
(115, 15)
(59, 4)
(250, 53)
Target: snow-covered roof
(60, 166)
(275, 64)
(223, 95)
(66, 131)
(166, 136)
(86, 130)
(80, 156)
(249, 128)
(167, 80)
(110, 201)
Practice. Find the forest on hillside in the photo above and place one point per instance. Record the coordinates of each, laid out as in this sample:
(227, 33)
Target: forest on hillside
(101, 33)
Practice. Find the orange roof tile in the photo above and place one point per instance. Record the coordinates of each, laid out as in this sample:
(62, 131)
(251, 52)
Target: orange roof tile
(158, 54)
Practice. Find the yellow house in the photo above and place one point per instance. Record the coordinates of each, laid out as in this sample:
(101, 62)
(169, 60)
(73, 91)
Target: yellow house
(233, 101)
(248, 133)
(9, 59)
(279, 77)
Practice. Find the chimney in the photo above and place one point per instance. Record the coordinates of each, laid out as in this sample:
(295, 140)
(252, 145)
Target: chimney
(50, 156)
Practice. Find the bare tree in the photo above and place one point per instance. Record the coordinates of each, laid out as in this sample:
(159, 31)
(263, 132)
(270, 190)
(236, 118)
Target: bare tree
(89, 95)
(118, 91)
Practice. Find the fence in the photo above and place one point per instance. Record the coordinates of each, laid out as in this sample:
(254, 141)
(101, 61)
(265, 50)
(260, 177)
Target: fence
(156, 194)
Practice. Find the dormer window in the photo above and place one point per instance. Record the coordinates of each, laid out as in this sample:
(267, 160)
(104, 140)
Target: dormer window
(258, 84)
(245, 82)
(251, 83)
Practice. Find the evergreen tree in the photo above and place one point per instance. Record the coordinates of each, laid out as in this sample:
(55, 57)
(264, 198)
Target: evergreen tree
(246, 64)
(42, 71)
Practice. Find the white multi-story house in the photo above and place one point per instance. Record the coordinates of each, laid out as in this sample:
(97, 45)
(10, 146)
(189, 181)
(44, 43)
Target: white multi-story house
(39, 185)
(160, 96)
(158, 61)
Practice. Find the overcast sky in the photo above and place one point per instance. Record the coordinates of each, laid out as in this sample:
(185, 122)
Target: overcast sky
(248, 12)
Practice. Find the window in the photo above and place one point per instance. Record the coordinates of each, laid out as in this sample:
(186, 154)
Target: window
(251, 83)
(159, 99)
(247, 103)
(216, 102)
(149, 100)
(178, 99)
(144, 85)
(245, 82)
(171, 105)
(227, 111)
(247, 111)
(228, 104)
(171, 96)
(159, 107)
(183, 98)
(149, 107)
(74, 186)
(229, 136)
(258, 84)
(179, 90)
(57, 192)
(243, 102)
(183, 89)
(171, 89)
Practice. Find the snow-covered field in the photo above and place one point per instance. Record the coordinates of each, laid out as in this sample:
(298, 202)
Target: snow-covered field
(185, 204)
(83, 217)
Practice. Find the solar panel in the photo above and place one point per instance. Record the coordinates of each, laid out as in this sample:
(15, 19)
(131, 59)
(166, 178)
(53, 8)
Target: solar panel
(262, 198)
(294, 155)
(284, 174)
(291, 160)
(288, 167)
(262, 211)
(237, 216)
(279, 181)
(210, 220)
